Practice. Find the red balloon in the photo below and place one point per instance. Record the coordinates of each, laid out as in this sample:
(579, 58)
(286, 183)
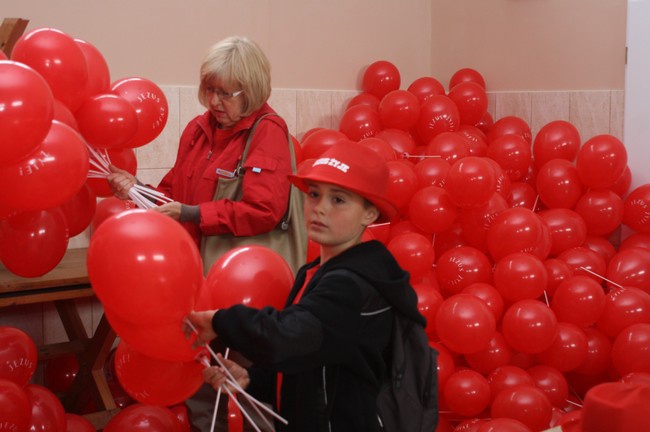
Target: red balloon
(527, 404)
(630, 267)
(123, 158)
(529, 326)
(520, 276)
(48, 413)
(567, 228)
(601, 161)
(18, 355)
(558, 271)
(579, 300)
(63, 114)
(624, 307)
(486, 123)
(359, 122)
(402, 183)
(429, 301)
(462, 266)
(599, 348)
(431, 172)
(641, 240)
(558, 184)
(50, 175)
(477, 221)
(446, 365)
(471, 182)
(584, 261)
(431, 209)
(109, 207)
(507, 377)
(399, 109)
(160, 341)
(140, 376)
(437, 114)
(15, 406)
(255, 276)
(129, 268)
(150, 105)
(601, 246)
(60, 372)
(601, 209)
(509, 125)
(401, 141)
(99, 78)
(380, 146)
(512, 153)
(490, 295)
(503, 425)
(314, 144)
(522, 195)
(451, 146)
(182, 416)
(144, 418)
(471, 100)
(568, 350)
(552, 382)
(59, 60)
(498, 353)
(425, 87)
(28, 109)
(414, 253)
(477, 139)
(79, 210)
(558, 139)
(466, 75)
(622, 185)
(77, 423)
(107, 121)
(518, 230)
(631, 349)
(636, 378)
(465, 324)
(635, 209)
(467, 392)
(380, 78)
(32, 243)
(367, 99)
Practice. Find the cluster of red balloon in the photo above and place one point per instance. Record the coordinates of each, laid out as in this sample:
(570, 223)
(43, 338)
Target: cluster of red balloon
(148, 283)
(507, 240)
(25, 406)
(57, 99)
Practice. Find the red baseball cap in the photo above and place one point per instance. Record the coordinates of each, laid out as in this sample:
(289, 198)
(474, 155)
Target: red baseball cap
(353, 167)
(616, 407)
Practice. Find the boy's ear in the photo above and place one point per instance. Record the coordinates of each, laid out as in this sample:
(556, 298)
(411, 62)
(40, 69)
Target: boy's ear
(370, 216)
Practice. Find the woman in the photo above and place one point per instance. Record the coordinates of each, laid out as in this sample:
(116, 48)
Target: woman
(235, 86)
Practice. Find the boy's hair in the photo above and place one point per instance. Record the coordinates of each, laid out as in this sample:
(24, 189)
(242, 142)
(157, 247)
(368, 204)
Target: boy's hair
(238, 61)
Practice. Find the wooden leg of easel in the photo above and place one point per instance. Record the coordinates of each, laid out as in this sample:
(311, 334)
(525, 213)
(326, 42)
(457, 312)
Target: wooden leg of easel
(10, 31)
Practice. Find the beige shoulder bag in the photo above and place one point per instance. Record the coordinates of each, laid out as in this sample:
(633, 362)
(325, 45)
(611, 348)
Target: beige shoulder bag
(288, 238)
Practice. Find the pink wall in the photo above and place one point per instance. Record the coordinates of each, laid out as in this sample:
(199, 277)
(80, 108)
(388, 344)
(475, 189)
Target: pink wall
(516, 44)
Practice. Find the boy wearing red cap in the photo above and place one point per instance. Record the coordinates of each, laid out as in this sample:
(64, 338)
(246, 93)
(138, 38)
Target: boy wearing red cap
(331, 340)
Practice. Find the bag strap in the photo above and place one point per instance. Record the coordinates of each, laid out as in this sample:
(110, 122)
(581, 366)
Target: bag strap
(286, 219)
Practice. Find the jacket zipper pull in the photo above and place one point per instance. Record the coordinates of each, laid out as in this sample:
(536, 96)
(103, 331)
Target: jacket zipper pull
(209, 154)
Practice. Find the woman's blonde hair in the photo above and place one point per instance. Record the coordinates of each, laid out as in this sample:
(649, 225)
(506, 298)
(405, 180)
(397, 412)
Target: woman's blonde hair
(239, 62)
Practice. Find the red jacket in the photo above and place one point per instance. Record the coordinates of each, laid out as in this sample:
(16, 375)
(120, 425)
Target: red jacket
(203, 149)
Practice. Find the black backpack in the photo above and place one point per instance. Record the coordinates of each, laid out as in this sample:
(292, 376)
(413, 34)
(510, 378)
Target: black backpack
(408, 399)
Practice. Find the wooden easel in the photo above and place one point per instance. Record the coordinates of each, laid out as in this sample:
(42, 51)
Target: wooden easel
(10, 31)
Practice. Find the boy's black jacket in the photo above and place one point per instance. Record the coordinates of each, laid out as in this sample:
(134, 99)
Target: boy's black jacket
(331, 355)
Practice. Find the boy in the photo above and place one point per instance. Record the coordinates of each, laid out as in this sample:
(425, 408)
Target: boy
(331, 339)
